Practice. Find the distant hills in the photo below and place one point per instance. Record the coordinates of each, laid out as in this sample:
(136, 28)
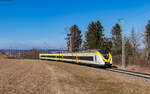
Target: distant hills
(16, 51)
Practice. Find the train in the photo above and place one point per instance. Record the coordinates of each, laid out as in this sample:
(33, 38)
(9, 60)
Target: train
(93, 57)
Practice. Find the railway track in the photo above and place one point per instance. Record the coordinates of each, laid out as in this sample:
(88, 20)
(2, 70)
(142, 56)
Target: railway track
(128, 72)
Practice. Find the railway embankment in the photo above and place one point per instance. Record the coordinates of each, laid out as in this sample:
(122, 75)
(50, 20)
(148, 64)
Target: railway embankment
(144, 69)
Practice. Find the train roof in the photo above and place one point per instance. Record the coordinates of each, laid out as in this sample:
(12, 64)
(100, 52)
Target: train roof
(86, 51)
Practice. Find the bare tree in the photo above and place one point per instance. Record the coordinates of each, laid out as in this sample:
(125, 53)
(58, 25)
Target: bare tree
(128, 50)
(67, 38)
(135, 44)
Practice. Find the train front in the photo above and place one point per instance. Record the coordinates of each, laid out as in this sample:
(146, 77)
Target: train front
(106, 57)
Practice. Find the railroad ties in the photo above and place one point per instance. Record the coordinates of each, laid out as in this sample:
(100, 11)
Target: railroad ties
(128, 72)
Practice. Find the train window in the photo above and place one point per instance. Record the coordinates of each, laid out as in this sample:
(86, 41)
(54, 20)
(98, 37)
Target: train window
(105, 53)
(51, 56)
(69, 57)
(59, 56)
(43, 56)
(88, 58)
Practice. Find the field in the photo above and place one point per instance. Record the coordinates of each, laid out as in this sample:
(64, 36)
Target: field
(47, 77)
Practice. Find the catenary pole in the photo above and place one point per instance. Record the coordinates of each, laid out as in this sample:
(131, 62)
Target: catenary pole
(123, 44)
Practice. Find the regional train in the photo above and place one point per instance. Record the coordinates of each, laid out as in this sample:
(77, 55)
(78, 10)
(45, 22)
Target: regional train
(94, 57)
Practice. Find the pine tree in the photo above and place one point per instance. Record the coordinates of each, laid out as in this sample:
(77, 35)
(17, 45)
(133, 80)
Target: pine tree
(116, 39)
(108, 44)
(76, 38)
(117, 43)
(100, 35)
(94, 37)
(147, 39)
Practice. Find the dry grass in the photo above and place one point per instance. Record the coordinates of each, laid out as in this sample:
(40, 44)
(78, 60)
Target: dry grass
(2, 56)
(136, 68)
(91, 81)
(46, 77)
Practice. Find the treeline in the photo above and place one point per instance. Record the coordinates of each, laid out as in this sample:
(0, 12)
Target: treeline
(95, 38)
(25, 54)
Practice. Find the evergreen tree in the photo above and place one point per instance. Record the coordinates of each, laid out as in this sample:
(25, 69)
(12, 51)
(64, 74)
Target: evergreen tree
(147, 39)
(116, 39)
(76, 38)
(108, 44)
(100, 35)
(117, 43)
(94, 37)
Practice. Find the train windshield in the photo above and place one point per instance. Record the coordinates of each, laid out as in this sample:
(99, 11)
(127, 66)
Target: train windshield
(105, 53)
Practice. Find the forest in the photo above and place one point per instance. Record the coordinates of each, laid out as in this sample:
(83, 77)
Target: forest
(95, 38)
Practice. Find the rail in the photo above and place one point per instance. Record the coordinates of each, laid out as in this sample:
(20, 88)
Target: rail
(128, 72)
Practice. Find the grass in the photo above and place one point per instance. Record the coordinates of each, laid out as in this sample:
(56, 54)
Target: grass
(47, 77)
(89, 81)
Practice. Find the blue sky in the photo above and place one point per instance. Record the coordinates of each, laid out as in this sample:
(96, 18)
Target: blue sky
(26, 24)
